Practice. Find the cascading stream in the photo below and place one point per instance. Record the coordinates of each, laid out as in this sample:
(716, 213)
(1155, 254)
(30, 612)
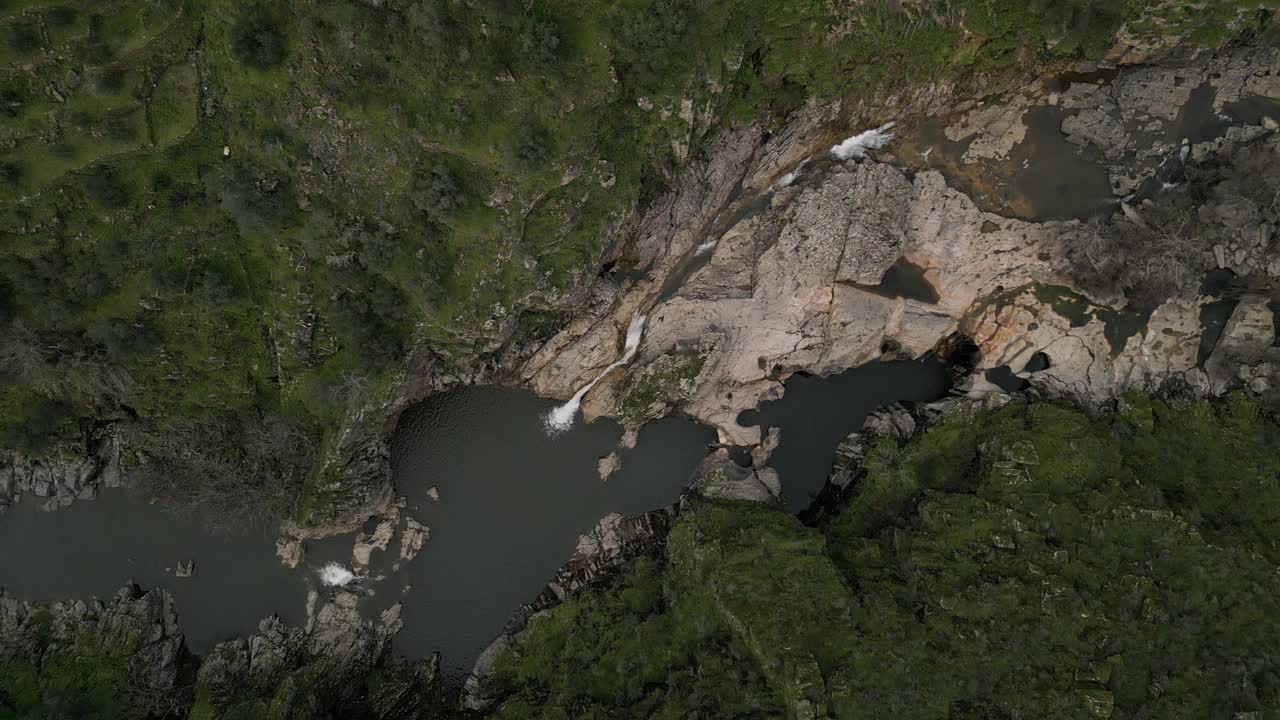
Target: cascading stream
(561, 417)
(857, 146)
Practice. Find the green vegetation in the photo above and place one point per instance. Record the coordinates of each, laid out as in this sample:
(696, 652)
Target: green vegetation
(653, 389)
(81, 681)
(224, 219)
(1026, 562)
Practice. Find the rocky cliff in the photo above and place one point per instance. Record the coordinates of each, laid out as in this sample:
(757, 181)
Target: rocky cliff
(126, 658)
(793, 255)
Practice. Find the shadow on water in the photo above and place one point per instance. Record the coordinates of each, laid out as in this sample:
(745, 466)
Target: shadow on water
(512, 504)
(1213, 321)
(815, 414)
(93, 548)
(1197, 121)
(1223, 285)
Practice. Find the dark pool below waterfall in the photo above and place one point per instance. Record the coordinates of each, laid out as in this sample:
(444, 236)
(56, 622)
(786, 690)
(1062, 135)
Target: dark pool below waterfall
(512, 503)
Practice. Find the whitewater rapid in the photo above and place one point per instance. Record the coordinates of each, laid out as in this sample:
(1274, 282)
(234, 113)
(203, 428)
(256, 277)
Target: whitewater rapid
(857, 146)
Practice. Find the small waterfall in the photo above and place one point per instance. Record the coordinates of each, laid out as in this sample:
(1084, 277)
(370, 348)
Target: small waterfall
(561, 417)
(786, 180)
(858, 145)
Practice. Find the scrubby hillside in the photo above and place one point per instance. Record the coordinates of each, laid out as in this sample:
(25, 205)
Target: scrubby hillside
(225, 224)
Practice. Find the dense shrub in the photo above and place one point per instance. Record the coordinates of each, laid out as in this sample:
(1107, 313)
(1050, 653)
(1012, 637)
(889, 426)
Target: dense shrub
(260, 37)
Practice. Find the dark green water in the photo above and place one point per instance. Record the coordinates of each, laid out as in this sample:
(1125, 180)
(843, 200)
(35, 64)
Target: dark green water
(815, 414)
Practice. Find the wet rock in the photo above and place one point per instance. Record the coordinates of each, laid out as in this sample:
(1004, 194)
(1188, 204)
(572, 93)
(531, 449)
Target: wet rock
(41, 481)
(761, 453)
(782, 289)
(476, 694)
(185, 569)
(1244, 74)
(1097, 127)
(412, 539)
(608, 465)
(602, 552)
(366, 543)
(1155, 92)
(290, 551)
(325, 665)
(433, 493)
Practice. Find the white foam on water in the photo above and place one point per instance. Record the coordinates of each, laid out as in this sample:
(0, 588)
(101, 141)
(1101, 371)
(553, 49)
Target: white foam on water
(335, 575)
(790, 177)
(705, 247)
(562, 416)
(857, 146)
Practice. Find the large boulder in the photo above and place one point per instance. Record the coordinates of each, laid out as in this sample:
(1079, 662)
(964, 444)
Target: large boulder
(1248, 336)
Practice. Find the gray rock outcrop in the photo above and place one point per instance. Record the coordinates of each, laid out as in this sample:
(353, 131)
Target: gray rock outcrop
(136, 627)
(70, 471)
(1246, 340)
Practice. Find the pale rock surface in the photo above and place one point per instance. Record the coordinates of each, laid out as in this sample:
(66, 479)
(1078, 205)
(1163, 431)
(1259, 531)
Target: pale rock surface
(1249, 334)
(290, 551)
(608, 465)
(412, 538)
(366, 543)
(995, 128)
